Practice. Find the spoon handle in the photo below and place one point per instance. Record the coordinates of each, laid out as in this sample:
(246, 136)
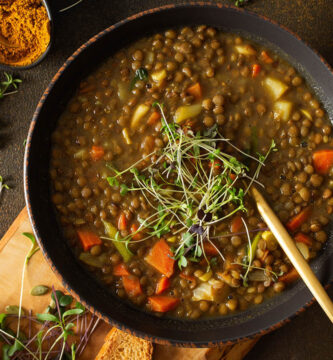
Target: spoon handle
(289, 247)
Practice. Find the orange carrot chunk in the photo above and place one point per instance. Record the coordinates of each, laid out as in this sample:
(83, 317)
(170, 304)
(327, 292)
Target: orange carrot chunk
(305, 239)
(255, 70)
(162, 285)
(323, 161)
(195, 90)
(122, 222)
(153, 118)
(215, 164)
(290, 276)
(132, 285)
(210, 249)
(299, 219)
(160, 257)
(96, 153)
(162, 303)
(120, 270)
(135, 235)
(236, 224)
(265, 57)
(88, 239)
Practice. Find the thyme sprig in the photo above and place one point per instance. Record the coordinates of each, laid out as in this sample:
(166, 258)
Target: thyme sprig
(192, 185)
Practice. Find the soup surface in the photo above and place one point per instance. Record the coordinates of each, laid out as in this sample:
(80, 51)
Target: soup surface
(152, 163)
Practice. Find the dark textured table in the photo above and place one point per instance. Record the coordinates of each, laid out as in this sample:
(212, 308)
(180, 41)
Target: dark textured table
(310, 335)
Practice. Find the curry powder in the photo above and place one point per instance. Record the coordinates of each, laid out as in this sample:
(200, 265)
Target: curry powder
(24, 31)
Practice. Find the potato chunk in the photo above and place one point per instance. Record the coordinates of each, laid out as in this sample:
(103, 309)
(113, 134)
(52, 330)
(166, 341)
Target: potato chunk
(246, 50)
(139, 113)
(187, 112)
(159, 76)
(282, 109)
(276, 87)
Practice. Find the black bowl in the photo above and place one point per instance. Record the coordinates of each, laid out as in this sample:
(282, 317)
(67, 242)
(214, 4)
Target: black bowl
(202, 332)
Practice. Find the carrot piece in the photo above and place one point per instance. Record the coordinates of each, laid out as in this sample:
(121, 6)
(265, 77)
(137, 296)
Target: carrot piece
(135, 235)
(290, 276)
(256, 68)
(162, 285)
(236, 224)
(232, 176)
(132, 285)
(96, 153)
(210, 249)
(265, 57)
(323, 161)
(120, 270)
(162, 303)
(305, 239)
(160, 257)
(295, 222)
(122, 222)
(195, 90)
(153, 118)
(88, 239)
(215, 164)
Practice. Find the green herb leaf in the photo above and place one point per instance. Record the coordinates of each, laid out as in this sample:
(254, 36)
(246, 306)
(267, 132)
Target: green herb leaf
(72, 312)
(13, 310)
(59, 294)
(39, 290)
(78, 305)
(34, 248)
(140, 74)
(47, 317)
(112, 181)
(182, 262)
(123, 189)
(15, 347)
(10, 82)
(5, 349)
(65, 300)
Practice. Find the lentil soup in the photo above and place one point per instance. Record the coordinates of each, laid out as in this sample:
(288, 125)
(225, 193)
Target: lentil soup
(153, 158)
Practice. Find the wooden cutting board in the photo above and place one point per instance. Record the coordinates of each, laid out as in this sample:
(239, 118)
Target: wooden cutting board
(13, 249)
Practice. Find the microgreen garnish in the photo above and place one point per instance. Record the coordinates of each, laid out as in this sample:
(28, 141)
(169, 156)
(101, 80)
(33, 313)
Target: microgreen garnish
(56, 324)
(140, 74)
(3, 185)
(10, 82)
(191, 186)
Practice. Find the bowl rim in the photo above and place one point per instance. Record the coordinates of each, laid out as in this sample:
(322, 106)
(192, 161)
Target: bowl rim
(69, 60)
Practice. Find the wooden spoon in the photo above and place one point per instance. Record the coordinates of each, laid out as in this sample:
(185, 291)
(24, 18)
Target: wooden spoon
(289, 247)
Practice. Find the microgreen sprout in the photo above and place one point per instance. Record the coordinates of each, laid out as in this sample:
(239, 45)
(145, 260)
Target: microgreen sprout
(191, 186)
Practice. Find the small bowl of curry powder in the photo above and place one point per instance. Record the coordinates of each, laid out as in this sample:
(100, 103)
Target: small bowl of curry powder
(25, 33)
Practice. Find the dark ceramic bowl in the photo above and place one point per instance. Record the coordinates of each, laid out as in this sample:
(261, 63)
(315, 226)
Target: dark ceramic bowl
(202, 332)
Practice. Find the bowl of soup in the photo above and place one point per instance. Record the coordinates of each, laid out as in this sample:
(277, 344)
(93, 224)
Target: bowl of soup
(140, 158)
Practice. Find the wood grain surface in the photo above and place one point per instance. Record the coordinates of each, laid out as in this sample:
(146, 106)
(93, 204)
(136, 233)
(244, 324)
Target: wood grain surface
(13, 249)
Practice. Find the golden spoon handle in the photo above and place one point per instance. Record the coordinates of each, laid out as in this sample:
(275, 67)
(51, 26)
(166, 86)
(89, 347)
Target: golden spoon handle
(289, 247)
